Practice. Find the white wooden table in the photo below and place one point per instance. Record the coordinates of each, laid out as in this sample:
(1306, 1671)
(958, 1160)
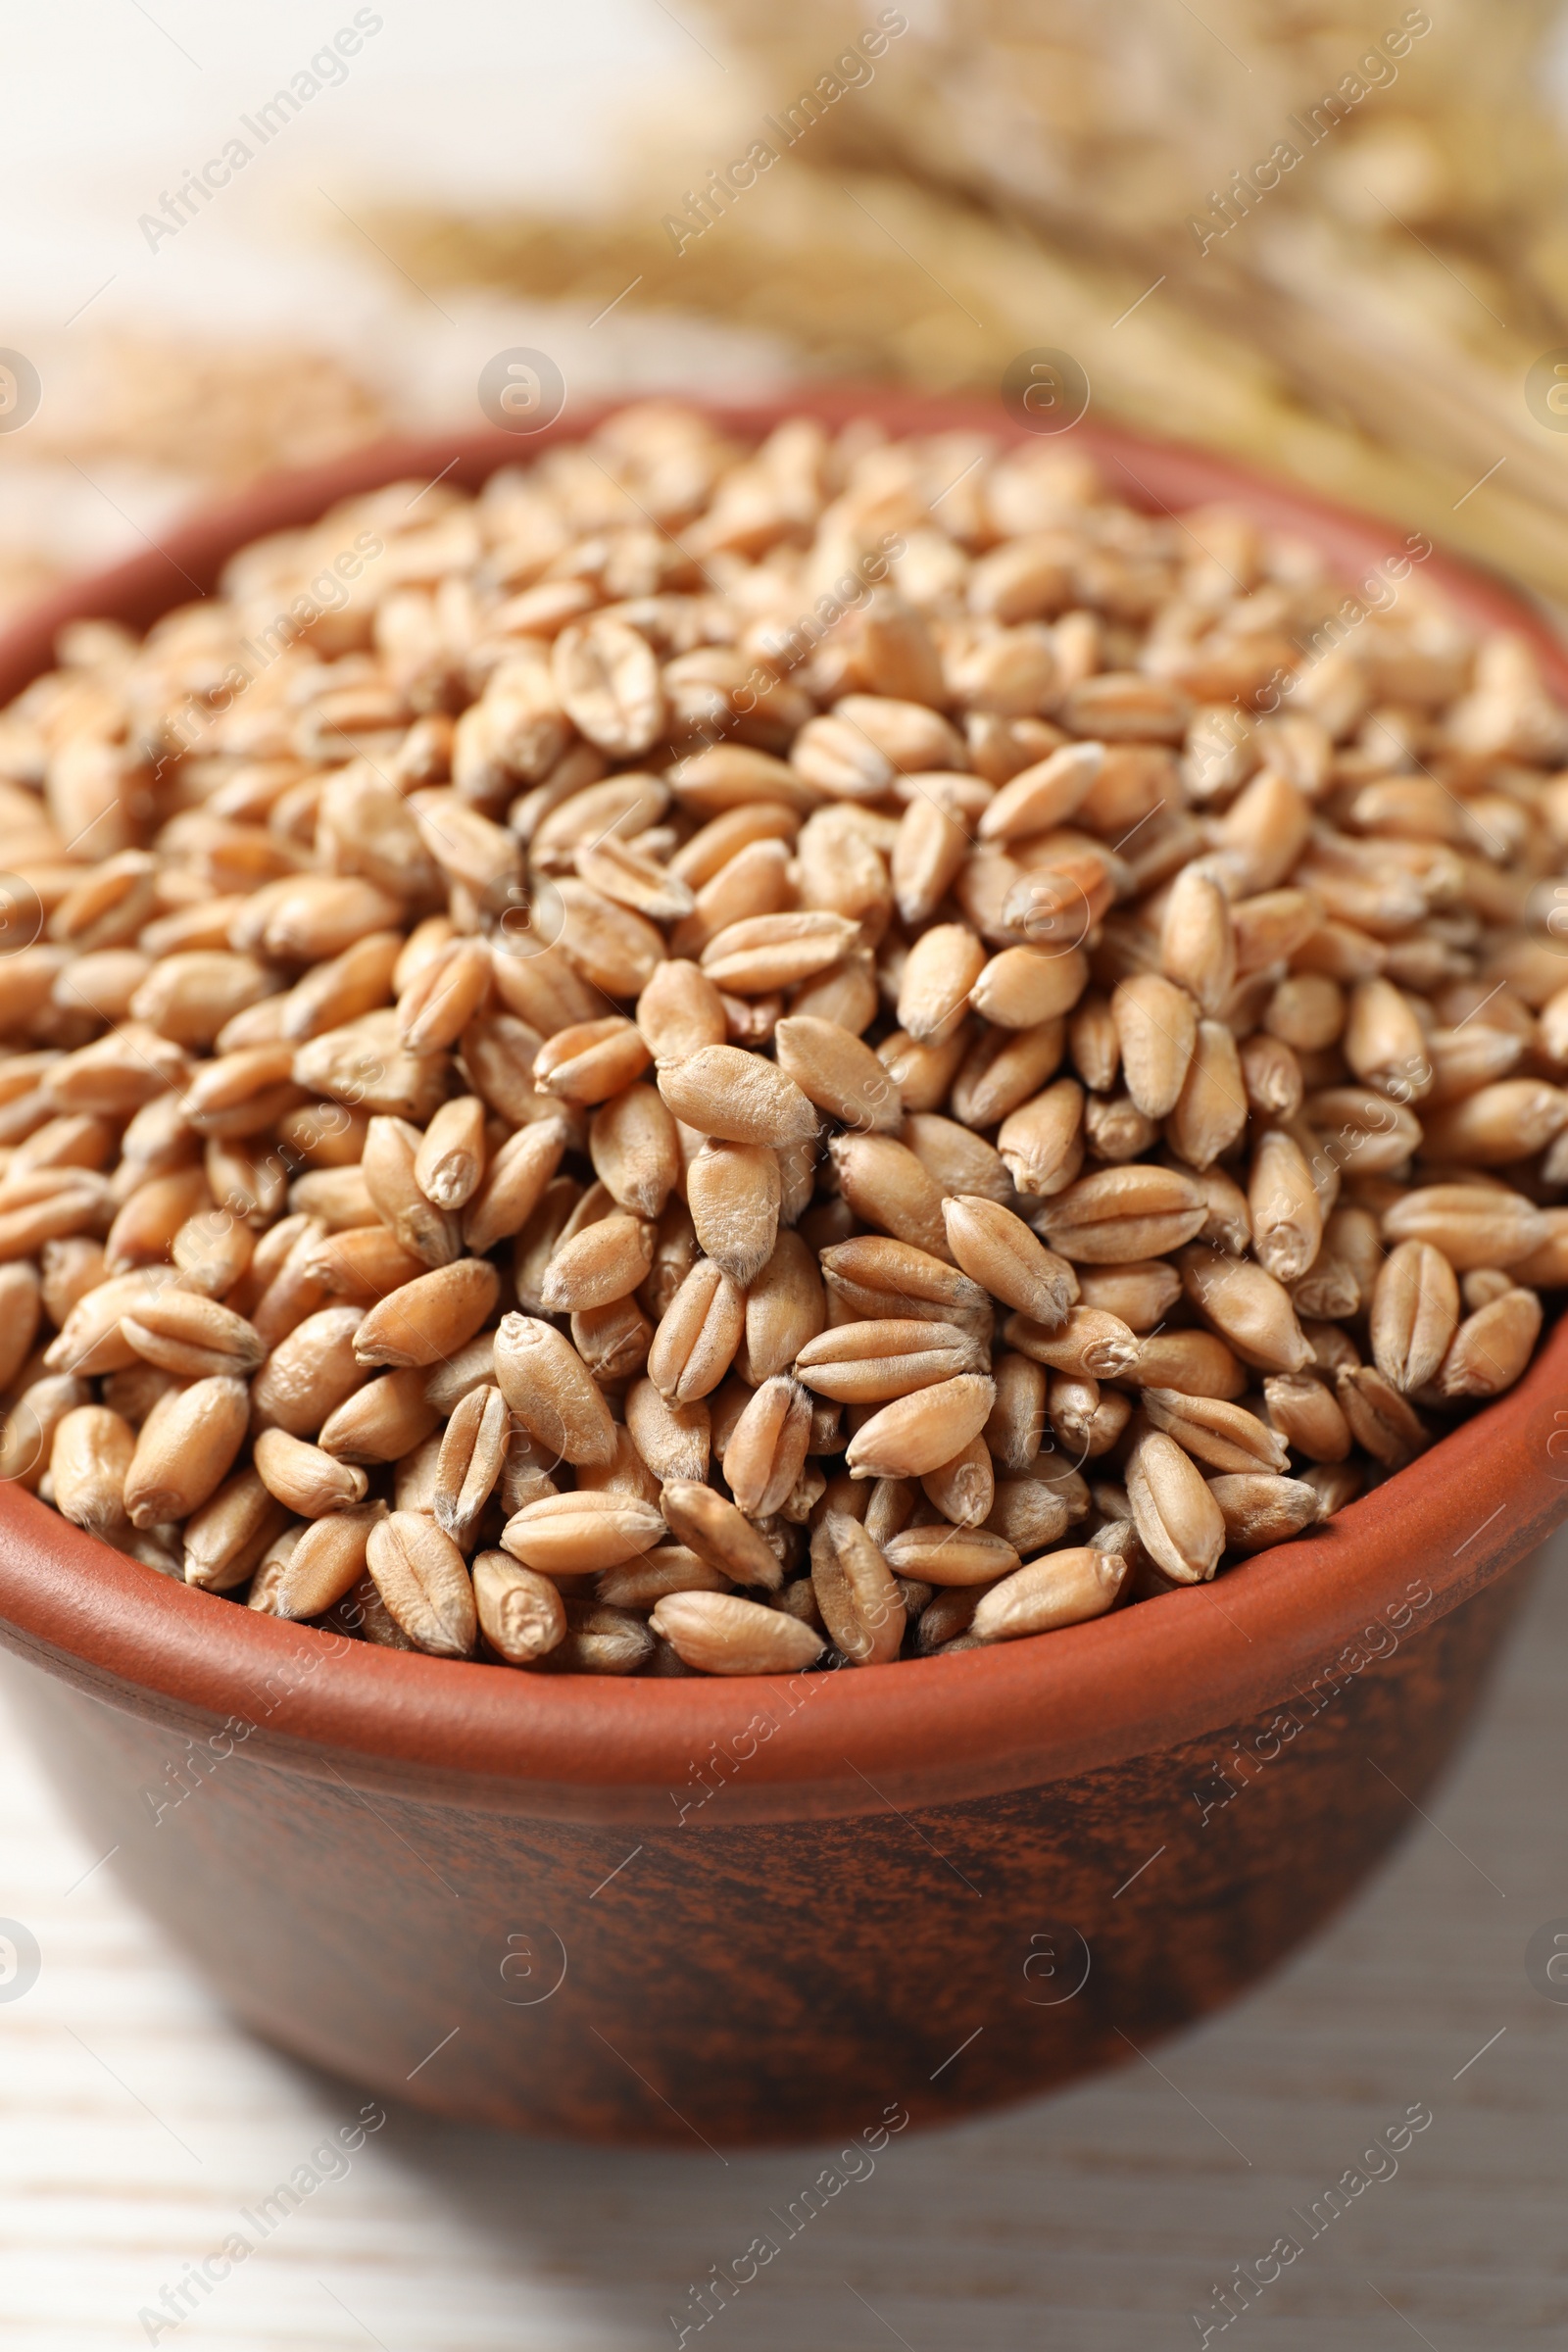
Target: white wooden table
(136, 2123)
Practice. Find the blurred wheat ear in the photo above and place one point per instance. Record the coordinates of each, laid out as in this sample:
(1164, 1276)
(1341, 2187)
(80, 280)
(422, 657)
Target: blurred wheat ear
(1025, 178)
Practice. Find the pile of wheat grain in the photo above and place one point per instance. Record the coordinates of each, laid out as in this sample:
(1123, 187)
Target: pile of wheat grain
(719, 1058)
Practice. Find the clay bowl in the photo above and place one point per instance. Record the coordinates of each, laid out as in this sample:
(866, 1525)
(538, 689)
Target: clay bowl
(734, 1911)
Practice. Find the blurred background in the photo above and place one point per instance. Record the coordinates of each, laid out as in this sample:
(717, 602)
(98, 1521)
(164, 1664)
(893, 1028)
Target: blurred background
(1328, 237)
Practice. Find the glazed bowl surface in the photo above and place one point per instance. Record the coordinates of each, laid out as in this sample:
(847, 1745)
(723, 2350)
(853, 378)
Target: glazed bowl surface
(741, 1909)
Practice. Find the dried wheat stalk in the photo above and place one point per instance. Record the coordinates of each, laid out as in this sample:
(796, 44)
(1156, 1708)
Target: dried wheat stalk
(988, 180)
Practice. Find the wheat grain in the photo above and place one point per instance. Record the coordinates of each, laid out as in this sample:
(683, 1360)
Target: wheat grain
(310, 1481)
(572, 1535)
(720, 1632)
(422, 1577)
(1067, 1588)
(987, 1032)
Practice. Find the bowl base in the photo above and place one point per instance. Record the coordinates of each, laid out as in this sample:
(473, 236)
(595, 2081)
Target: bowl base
(739, 1984)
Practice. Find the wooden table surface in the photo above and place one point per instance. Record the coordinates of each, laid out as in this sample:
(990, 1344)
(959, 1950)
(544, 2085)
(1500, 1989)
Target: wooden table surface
(138, 2122)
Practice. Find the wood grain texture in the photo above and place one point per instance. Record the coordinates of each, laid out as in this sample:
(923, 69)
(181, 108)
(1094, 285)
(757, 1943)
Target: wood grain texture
(138, 2124)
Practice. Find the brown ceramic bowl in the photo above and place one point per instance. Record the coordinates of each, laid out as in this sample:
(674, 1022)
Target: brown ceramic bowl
(730, 1911)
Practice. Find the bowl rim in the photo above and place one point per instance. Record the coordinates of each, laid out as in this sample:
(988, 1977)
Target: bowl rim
(1144, 1678)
